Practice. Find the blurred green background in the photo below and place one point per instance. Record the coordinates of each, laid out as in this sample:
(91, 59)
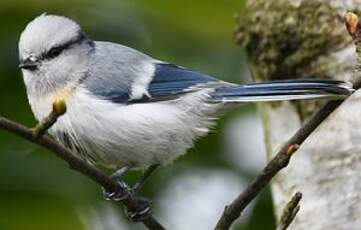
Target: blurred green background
(38, 191)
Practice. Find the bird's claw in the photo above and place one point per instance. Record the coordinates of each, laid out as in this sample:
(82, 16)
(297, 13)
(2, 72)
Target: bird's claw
(142, 208)
(121, 194)
(142, 211)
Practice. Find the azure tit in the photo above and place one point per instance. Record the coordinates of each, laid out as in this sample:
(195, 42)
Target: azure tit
(125, 109)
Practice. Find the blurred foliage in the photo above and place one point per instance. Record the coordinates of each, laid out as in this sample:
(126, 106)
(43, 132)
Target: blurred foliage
(37, 190)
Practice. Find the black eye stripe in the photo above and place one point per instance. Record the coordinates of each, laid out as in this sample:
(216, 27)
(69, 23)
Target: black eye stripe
(55, 51)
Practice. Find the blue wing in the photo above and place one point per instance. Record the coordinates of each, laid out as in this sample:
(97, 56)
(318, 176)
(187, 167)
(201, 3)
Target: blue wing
(114, 69)
(169, 82)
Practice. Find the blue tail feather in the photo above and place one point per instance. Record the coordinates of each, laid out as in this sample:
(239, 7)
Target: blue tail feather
(282, 90)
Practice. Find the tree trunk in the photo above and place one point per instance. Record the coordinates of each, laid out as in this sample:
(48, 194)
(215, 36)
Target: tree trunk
(307, 38)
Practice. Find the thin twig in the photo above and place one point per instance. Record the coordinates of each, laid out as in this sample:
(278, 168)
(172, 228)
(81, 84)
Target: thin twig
(59, 109)
(75, 163)
(290, 212)
(280, 160)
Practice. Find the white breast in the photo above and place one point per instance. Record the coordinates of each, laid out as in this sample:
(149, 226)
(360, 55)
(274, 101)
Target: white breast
(139, 134)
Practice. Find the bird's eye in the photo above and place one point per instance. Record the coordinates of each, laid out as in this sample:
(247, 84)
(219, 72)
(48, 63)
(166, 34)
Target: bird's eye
(54, 52)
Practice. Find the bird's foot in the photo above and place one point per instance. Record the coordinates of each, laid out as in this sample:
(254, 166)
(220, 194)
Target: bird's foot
(141, 211)
(143, 207)
(121, 194)
(124, 191)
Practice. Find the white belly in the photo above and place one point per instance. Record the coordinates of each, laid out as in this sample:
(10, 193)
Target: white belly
(138, 135)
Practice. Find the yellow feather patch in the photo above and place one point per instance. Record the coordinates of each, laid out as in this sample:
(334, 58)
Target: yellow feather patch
(63, 94)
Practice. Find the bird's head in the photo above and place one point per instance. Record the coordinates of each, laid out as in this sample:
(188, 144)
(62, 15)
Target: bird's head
(53, 50)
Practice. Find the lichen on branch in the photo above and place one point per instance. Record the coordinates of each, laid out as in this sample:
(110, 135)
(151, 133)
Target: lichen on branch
(287, 39)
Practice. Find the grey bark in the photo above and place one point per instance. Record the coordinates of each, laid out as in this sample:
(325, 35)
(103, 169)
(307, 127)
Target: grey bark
(289, 38)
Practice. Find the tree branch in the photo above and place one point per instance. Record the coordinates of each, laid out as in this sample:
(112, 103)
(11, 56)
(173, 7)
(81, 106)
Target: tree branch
(233, 210)
(36, 136)
(282, 158)
(290, 211)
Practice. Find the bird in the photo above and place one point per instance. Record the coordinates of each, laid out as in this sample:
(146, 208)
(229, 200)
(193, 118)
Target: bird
(125, 109)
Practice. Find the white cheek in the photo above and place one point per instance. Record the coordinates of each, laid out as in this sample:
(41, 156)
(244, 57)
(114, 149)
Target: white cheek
(41, 106)
(27, 76)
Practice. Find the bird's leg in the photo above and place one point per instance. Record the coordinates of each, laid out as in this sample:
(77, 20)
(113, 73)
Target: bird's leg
(147, 173)
(119, 194)
(143, 207)
(117, 175)
(141, 210)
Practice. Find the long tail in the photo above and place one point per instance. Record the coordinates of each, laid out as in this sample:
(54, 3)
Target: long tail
(283, 90)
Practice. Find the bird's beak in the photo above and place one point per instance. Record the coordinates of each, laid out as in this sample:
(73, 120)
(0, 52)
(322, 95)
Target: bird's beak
(29, 65)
